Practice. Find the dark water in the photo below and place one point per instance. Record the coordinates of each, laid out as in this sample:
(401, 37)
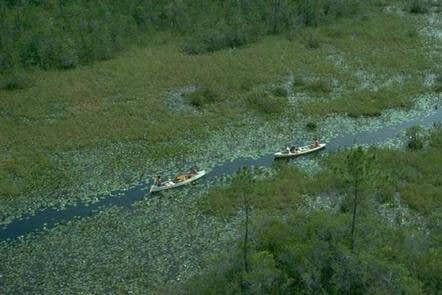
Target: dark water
(50, 217)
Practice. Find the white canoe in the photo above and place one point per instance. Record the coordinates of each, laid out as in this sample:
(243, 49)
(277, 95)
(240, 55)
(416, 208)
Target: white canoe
(302, 151)
(171, 184)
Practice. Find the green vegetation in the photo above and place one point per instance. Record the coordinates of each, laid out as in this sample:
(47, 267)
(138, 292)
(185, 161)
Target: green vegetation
(317, 87)
(298, 236)
(64, 34)
(288, 185)
(418, 6)
(14, 80)
(266, 102)
(365, 102)
(311, 126)
(305, 254)
(202, 97)
(51, 130)
(415, 141)
(290, 251)
(226, 37)
(437, 87)
(97, 96)
(280, 91)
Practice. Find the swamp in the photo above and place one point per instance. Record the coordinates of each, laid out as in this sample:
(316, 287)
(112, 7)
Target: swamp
(99, 97)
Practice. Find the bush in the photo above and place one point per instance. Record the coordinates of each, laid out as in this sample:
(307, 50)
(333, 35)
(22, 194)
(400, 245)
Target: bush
(68, 56)
(280, 91)
(267, 103)
(217, 39)
(437, 87)
(311, 126)
(415, 138)
(15, 80)
(298, 81)
(312, 43)
(417, 6)
(201, 97)
(319, 86)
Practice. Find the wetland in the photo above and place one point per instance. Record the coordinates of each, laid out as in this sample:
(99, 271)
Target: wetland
(82, 136)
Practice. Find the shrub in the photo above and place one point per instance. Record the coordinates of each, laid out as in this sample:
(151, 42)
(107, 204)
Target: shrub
(201, 97)
(217, 39)
(311, 126)
(437, 87)
(280, 91)
(68, 56)
(417, 6)
(298, 81)
(312, 43)
(14, 80)
(319, 86)
(415, 138)
(267, 103)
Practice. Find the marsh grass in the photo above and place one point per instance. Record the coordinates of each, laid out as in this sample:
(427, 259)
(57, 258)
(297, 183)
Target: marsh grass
(318, 87)
(14, 80)
(122, 100)
(366, 103)
(286, 190)
(311, 126)
(415, 175)
(417, 6)
(221, 38)
(265, 102)
(201, 97)
(437, 87)
(279, 91)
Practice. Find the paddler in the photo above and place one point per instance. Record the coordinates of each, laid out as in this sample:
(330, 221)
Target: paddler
(193, 171)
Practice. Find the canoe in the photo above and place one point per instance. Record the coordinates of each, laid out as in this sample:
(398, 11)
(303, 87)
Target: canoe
(302, 151)
(171, 184)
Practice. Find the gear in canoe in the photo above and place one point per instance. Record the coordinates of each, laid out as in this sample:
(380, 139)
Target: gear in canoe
(182, 179)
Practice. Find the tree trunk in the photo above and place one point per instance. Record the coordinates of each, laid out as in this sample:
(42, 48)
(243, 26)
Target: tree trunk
(275, 16)
(353, 221)
(246, 234)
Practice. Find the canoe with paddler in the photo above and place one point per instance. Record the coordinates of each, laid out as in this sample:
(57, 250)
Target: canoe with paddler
(180, 180)
(298, 151)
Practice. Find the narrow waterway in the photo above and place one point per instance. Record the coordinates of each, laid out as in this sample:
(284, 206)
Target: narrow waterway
(50, 217)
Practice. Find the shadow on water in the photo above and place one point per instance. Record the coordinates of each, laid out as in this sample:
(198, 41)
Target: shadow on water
(50, 217)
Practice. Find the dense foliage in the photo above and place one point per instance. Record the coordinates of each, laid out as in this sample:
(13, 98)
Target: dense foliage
(63, 33)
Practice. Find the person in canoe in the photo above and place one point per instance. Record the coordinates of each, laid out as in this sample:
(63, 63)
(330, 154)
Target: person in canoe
(193, 171)
(315, 143)
(294, 149)
(158, 180)
(287, 150)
